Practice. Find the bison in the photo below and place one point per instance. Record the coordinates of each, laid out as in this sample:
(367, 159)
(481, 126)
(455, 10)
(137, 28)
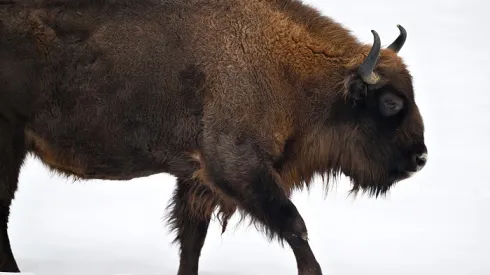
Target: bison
(242, 101)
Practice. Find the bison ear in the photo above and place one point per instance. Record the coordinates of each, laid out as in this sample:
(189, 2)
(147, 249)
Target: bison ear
(356, 88)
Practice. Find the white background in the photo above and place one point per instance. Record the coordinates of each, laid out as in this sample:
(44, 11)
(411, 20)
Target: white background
(436, 223)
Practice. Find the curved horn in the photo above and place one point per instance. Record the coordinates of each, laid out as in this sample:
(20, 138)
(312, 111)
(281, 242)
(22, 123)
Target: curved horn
(366, 70)
(397, 45)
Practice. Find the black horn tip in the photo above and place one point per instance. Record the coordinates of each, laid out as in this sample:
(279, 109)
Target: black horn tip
(401, 28)
(376, 36)
(397, 45)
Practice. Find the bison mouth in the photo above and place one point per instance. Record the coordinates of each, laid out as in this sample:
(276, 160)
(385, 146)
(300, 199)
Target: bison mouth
(396, 175)
(379, 182)
(408, 169)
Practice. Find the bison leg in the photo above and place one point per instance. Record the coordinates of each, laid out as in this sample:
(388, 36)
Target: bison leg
(12, 154)
(190, 218)
(244, 173)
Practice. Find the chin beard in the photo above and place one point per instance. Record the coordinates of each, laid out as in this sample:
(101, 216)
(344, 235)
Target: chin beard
(372, 188)
(375, 185)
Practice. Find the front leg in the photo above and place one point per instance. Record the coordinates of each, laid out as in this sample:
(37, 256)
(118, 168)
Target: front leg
(243, 172)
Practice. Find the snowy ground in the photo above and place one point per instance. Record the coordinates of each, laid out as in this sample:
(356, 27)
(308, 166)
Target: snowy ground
(435, 223)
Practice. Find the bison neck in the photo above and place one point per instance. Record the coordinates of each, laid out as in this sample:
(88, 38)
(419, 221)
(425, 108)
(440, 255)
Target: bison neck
(315, 153)
(318, 55)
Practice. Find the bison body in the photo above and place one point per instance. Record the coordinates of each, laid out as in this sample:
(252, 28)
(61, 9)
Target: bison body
(242, 101)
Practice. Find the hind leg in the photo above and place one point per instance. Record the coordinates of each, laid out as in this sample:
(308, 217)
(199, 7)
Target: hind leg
(12, 154)
(192, 206)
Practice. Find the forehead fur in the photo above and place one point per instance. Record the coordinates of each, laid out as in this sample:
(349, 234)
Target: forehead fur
(390, 67)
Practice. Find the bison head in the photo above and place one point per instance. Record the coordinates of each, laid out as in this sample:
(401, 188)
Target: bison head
(379, 122)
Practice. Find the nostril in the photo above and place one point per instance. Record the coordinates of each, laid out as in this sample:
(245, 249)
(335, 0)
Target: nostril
(421, 160)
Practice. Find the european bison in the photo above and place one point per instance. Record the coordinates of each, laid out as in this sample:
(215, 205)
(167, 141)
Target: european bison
(242, 101)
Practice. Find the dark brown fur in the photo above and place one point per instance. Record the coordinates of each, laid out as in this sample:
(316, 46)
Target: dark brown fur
(242, 101)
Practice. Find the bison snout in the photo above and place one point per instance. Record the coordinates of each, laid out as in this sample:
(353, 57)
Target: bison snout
(419, 161)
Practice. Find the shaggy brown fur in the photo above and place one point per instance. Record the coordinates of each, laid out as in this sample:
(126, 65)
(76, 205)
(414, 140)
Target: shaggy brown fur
(242, 101)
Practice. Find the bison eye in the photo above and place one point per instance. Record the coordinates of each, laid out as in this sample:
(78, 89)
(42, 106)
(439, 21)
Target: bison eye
(390, 104)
